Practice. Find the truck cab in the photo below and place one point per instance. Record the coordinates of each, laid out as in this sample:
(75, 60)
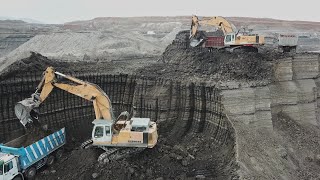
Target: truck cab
(9, 168)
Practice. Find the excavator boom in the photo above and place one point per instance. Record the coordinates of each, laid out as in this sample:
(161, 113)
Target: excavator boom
(101, 102)
(218, 21)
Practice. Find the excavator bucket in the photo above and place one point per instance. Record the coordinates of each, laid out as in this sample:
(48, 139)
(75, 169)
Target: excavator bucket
(195, 42)
(26, 111)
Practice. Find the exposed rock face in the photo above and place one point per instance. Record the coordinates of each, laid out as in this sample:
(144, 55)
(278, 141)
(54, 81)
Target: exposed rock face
(195, 136)
(255, 111)
(273, 107)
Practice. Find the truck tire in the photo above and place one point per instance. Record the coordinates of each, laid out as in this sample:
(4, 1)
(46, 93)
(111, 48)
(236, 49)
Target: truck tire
(50, 160)
(31, 173)
(59, 154)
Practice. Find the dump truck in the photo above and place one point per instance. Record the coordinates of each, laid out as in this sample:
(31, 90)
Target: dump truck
(19, 163)
(287, 42)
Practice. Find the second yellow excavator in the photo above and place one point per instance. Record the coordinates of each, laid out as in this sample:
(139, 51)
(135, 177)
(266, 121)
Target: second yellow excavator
(109, 133)
(233, 39)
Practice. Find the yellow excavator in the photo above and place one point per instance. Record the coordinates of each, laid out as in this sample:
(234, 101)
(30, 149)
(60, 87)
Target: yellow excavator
(109, 133)
(233, 39)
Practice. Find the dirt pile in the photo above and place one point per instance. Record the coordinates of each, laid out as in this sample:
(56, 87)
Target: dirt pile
(76, 164)
(182, 61)
(193, 157)
(36, 62)
(301, 146)
(31, 136)
(103, 46)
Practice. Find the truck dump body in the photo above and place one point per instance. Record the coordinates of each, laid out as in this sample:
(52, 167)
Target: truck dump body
(214, 41)
(38, 150)
(288, 40)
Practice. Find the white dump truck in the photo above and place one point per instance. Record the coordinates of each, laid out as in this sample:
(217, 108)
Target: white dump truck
(287, 42)
(19, 163)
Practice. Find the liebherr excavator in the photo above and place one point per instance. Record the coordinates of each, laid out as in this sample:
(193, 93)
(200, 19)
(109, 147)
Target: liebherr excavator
(109, 133)
(233, 39)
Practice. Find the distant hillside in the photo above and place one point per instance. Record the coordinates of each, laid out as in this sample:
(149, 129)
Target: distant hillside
(255, 23)
(27, 20)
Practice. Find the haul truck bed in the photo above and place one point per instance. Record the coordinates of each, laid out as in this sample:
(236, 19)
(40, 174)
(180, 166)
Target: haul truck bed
(36, 151)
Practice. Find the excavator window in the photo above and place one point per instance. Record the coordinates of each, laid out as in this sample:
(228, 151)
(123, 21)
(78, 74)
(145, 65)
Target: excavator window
(228, 38)
(138, 129)
(108, 130)
(98, 132)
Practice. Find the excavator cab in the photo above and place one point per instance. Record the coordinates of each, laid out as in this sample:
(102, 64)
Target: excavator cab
(102, 132)
(230, 39)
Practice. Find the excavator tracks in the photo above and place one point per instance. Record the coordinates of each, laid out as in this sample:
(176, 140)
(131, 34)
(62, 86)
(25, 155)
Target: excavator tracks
(116, 153)
(112, 153)
(87, 144)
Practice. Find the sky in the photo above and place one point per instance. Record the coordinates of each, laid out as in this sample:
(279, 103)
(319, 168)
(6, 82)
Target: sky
(60, 11)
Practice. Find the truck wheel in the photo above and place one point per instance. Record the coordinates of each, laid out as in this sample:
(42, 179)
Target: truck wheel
(31, 173)
(59, 154)
(50, 160)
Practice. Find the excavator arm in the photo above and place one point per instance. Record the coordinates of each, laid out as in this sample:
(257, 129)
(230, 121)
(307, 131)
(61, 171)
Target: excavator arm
(216, 21)
(101, 102)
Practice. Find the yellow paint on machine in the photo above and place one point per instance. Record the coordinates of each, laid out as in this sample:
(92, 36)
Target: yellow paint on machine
(249, 40)
(152, 139)
(136, 136)
(127, 136)
(123, 137)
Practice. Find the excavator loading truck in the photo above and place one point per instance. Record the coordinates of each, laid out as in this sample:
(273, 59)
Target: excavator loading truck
(234, 40)
(109, 133)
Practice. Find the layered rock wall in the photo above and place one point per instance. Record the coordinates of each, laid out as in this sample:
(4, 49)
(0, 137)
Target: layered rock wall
(256, 112)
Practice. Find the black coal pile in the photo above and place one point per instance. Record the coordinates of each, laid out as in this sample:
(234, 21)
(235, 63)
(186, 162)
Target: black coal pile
(192, 158)
(35, 62)
(182, 61)
(38, 63)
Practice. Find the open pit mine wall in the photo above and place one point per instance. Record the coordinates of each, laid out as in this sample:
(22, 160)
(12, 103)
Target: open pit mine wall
(294, 90)
(179, 108)
(253, 109)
